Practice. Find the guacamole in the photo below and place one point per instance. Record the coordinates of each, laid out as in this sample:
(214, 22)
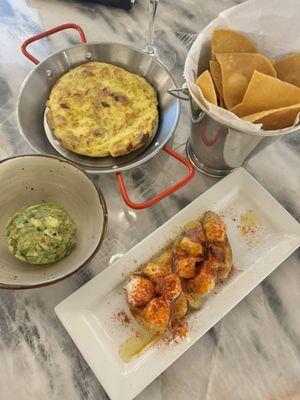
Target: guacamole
(41, 233)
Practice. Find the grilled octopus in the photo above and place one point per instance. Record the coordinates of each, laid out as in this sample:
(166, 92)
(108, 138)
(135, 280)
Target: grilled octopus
(161, 293)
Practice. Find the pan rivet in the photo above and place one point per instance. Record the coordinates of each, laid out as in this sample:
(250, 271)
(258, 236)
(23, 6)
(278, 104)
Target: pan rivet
(49, 73)
(88, 56)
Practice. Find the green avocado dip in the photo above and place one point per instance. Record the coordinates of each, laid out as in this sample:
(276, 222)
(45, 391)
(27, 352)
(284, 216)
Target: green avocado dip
(41, 233)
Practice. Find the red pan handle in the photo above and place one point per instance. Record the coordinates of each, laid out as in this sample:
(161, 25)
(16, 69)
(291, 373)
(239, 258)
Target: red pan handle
(47, 33)
(165, 193)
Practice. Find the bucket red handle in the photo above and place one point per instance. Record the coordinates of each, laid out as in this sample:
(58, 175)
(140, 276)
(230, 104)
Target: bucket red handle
(210, 142)
(165, 193)
(47, 33)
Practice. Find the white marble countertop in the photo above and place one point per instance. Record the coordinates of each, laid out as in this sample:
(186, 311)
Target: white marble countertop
(254, 352)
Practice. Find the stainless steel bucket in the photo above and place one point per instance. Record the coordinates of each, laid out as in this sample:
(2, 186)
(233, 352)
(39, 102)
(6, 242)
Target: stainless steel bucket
(216, 149)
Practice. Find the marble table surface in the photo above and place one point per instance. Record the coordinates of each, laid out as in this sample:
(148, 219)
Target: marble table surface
(254, 352)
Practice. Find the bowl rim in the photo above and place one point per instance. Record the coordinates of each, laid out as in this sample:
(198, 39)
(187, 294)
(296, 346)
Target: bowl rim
(102, 204)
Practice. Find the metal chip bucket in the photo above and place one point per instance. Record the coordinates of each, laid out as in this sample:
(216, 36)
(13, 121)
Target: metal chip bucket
(216, 149)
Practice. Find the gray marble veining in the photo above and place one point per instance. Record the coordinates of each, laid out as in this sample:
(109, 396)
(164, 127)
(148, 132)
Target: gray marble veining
(254, 352)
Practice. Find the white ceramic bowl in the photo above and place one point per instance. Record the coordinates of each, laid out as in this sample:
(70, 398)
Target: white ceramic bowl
(29, 179)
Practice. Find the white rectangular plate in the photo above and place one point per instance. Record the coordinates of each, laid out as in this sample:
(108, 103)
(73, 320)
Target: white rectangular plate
(89, 314)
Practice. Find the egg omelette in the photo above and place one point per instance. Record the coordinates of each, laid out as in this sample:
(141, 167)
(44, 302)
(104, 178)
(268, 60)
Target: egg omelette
(99, 109)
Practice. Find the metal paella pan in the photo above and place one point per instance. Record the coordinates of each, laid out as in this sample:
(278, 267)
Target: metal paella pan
(38, 84)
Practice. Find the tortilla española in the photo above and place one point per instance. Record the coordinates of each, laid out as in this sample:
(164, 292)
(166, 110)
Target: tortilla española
(99, 109)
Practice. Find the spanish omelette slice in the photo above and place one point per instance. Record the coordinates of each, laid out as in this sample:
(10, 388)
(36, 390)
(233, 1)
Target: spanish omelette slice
(99, 109)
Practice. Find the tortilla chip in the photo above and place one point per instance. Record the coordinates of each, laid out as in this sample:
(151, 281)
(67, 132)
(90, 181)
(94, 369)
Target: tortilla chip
(237, 70)
(216, 74)
(275, 119)
(266, 93)
(288, 69)
(205, 83)
(228, 41)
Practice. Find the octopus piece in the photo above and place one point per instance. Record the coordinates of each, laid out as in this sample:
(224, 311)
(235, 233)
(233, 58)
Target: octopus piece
(169, 287)
(154, 271)
(185, 266)
(156, 315)
(205, 281)
(159, 267)
(214, 228)
(195, 232)
(218, 244)
(223, 255)
(139, 291)
(190, 247)
(194, 300)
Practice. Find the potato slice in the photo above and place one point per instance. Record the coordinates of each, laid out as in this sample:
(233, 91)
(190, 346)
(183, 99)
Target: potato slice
(218, 244)
(179, 308)
(164, 259)
(191, 225)
(223, 255)
(195, 301)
